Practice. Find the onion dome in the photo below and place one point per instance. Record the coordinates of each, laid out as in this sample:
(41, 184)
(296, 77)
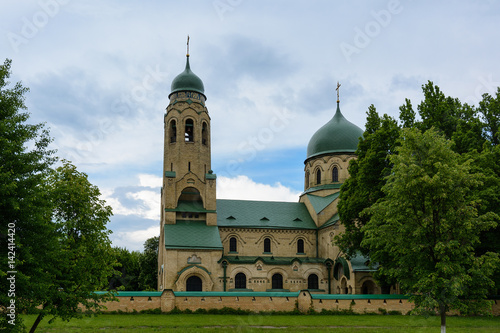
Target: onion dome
(187, 81)
(337, 136)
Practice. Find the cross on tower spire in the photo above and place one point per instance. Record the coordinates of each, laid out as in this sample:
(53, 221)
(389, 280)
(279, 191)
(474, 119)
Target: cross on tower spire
(338, 90)
(187, 54)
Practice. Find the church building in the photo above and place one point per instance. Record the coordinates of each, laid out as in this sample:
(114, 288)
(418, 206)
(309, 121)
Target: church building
(210, 244)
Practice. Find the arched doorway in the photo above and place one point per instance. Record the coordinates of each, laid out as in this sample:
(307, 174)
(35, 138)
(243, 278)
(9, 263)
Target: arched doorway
(194, 283)
(240, 281)
(312, 282)
(277, 281)
(368, 287)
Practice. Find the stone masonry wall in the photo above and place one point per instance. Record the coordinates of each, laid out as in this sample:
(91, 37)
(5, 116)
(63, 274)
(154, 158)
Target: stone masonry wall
(257, 302)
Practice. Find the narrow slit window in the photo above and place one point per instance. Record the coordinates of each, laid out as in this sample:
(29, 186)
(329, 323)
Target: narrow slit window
(173, 132)
(189, 131)
(318, 176)
(204, 134)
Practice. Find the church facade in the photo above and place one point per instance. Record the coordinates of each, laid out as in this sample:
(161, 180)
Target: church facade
(210, 244)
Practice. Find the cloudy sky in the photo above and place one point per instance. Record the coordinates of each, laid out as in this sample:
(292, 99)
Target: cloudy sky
(99, 74)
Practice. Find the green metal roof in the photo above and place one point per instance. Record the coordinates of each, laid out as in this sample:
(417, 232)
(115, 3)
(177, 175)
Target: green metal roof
(187, 81)
(359, 296)
(263, 214)
(271, 260)
(192, 235)
(358, 263)
(337, 136)
(132, 293)
(345, 265)
(320, 203)
(323, 187)
(334, 219)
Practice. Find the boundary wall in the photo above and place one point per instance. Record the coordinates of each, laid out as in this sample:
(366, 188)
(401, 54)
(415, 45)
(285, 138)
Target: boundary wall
(304, 301)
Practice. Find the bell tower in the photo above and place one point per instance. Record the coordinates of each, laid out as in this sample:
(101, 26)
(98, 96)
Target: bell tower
(188, 192)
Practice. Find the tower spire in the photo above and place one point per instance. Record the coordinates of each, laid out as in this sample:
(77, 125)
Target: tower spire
(338, 90)
(187, 54)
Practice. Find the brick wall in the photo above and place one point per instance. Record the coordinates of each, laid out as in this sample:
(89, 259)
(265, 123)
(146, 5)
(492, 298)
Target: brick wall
(262, 301)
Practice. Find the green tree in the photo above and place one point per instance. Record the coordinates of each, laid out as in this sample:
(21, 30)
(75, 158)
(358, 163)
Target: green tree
(25, 205)
(429, 224)
(489, 108)
(367, 176)
(438, 110)
(148, 278)
(83, 259)
(126, 270)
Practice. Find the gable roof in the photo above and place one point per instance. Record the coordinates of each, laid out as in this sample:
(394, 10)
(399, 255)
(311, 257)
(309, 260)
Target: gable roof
(263, 214)
(320, 203)
(192, 235)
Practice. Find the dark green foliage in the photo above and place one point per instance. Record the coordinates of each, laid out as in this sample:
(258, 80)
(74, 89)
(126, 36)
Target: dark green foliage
(367, 176)
(148, 265)
(438, 111)
(126, 271)
(136, 271)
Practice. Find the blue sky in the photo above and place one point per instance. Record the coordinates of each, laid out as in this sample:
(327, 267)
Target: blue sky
(99, 74)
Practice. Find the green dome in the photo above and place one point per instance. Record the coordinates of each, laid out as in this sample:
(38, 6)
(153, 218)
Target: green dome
(187, 81)
(337, 136)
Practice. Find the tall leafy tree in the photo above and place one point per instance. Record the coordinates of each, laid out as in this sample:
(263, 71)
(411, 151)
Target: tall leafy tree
(83, 260)
(25, 206)
(429, 224)
(148, 278)
(53, 223)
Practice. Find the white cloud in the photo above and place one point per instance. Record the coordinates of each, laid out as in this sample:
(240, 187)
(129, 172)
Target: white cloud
(244, 188)
(147, 200)
(134, 240)
(150, 208)
(147, 180)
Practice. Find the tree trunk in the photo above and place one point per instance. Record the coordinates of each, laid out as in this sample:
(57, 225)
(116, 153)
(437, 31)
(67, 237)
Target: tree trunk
(442, 312)
(37, 321)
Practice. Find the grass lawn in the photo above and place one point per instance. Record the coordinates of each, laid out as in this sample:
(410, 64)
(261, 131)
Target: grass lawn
(264, 323)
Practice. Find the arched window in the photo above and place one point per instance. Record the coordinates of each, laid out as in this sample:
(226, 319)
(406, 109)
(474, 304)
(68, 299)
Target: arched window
(267, 245)
(277, 281)
(233, 244)
(189, 131)
(307, 180)
(240, 281)
(300, 246)
(173, 132)
(204, 134)
(335, 174)
(312, 282)
(318, 176)
(193, 283)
